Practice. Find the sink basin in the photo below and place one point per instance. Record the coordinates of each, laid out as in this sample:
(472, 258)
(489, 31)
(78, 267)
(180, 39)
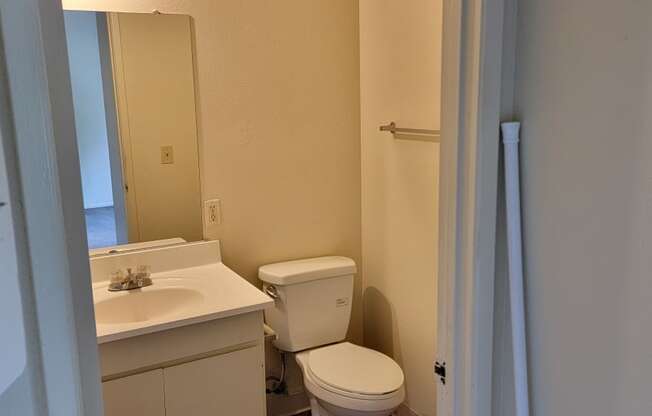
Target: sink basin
(190, 285)
(146, 304)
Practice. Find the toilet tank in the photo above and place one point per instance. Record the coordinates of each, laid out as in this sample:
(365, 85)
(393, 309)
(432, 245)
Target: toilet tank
(313, 300)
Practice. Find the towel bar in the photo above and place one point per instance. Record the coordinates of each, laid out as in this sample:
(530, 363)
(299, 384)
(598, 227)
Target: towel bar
(394, 129)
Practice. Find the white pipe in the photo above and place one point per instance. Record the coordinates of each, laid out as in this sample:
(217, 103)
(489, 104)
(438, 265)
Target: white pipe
(269, 332)
(515, 260)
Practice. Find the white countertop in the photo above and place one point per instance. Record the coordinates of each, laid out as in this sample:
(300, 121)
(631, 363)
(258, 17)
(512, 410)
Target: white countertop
(177, 298)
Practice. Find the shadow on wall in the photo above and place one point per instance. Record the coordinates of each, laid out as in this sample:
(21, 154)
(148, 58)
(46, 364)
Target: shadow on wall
(380, 328)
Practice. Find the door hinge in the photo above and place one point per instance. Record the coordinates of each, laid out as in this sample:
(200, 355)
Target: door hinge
(440, 370)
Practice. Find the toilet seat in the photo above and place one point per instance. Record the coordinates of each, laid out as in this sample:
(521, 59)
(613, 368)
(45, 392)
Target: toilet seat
(352, 377)
(351, 369)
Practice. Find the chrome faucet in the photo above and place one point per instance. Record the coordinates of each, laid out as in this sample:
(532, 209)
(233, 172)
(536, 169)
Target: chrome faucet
(130, 280)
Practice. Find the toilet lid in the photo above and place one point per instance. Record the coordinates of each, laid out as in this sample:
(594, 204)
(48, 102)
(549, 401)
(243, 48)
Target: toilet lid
(355, 369)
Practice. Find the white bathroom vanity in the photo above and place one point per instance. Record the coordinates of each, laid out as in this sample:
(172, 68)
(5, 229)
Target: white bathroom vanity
(191, 344)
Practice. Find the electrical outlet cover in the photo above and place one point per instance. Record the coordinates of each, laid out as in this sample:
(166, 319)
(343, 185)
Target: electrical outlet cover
(212, 212)
(167, 155)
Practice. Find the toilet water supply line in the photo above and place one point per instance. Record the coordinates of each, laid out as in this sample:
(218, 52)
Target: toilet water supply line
(515, 260)
(278, 385)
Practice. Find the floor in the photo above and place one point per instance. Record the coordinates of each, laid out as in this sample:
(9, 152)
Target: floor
(100, 227)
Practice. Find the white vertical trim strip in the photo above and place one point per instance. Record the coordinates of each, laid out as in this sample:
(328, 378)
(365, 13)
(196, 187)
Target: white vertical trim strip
(471, 80)
(25, 391)
(41, 100)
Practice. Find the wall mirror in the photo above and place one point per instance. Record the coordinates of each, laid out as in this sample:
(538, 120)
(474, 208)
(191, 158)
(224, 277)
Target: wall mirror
(134, 103)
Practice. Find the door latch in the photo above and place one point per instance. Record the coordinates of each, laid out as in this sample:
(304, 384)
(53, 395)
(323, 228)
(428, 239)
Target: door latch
(440, 370)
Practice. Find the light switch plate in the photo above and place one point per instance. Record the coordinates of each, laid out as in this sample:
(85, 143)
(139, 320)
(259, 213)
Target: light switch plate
(167, 155)
(212, 212)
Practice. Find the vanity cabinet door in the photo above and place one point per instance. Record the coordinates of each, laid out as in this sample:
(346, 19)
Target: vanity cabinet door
(228, 384)
(137, 395)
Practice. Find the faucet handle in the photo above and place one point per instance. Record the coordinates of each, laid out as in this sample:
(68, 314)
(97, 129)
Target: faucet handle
(130, 280)
(142, 276)
(118, 281)
(117, 276)
(143, 270)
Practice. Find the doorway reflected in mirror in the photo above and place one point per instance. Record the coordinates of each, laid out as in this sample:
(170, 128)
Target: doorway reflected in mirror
(133, 88)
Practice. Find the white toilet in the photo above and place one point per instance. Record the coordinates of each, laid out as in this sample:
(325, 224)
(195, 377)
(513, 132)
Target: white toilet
(311, 317)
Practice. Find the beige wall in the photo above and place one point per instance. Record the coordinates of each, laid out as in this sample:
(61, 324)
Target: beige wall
(279, 125)
(400, 81)
(582, 91)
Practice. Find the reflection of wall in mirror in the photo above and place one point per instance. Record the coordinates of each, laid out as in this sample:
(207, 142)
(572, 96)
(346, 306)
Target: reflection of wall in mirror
(154, 81)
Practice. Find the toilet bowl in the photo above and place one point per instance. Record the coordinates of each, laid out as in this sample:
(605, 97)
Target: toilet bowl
(311, 314)
(348, 380)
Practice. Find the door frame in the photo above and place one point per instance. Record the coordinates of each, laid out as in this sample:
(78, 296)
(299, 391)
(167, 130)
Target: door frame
(123, 128)
(35, 55)
(471, 93)
(49, 208)
(118, 184)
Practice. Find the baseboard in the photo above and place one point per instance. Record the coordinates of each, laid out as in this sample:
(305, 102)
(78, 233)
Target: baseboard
(298, 404)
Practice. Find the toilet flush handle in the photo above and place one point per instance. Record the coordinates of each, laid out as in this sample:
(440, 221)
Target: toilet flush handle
(271, 291)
